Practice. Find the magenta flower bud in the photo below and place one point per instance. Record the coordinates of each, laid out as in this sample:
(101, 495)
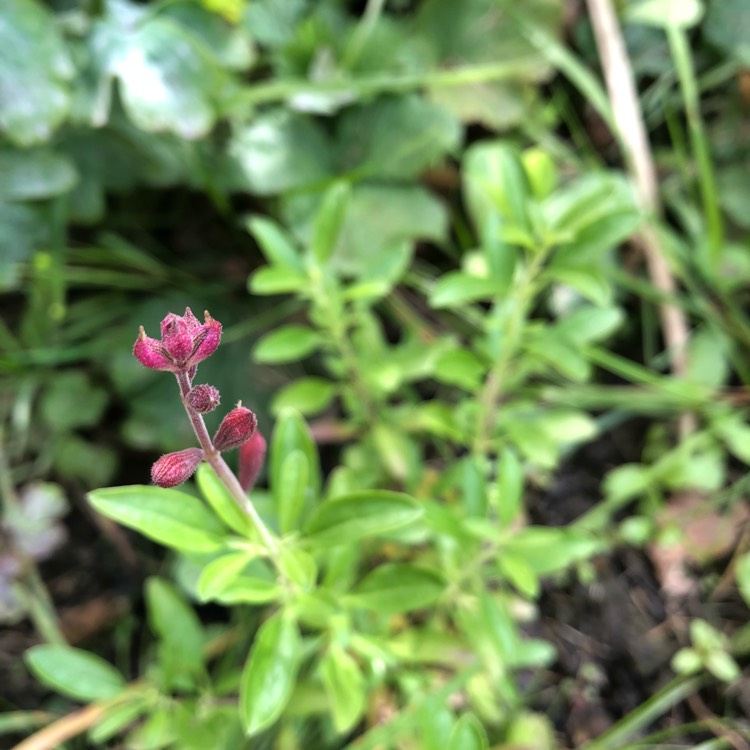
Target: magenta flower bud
(176, 468)
(184, 343)
(202, 398)
(237, 427)
(252, 455)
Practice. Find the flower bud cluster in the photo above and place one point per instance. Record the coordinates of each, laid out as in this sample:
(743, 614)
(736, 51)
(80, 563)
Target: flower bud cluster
(184, 343)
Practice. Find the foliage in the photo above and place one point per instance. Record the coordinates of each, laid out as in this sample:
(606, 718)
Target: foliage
(441, 315)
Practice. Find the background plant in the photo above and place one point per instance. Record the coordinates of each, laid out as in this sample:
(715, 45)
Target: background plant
(455, 313)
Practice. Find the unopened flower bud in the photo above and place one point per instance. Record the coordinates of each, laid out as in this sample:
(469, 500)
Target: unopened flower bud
(252, 455)
(237, 427)
(202, 398)
(175, 468)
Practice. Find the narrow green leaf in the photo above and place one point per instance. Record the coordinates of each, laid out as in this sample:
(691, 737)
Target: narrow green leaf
(295, 474)
(468, 734)
(245, 589)
(221, 501)
(345, 687)
(275, 243)
(172, 618)
(742, 574)
(398, 587)
(458, 288)
(361, 514)
(167, 516)
(270, 672)
(220, 574)
(510, 486)
(287, 344)
(74, 672)
(276, 280)
(291, 433)
(329, 220)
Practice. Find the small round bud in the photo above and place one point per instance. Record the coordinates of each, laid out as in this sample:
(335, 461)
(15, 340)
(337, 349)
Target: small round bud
(202, 398)
(237, 427)
(176, 468)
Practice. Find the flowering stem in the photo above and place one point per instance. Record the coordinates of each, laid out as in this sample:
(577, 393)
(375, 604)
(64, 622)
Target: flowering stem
(221, 469)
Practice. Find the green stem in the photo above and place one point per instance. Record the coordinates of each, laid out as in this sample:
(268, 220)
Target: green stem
(275, 91)
(489, 398)
(223, 472)
(680, 49)
(658, 704)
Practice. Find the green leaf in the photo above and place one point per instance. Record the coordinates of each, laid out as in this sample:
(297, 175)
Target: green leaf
(723, 666)
(167, 516)
(457, 288)
(119, 717)
(460, 367)
(287, 344)
(681, 14)
(726, 26)
(298, 566)
(549, 550)
(541, 172)
(278, 151)
(395, 136)
(345, 687)
(35, 174)
(495, 185)
(294, 477)
(180, 652)
(172, 619)
(74, 672)
(329, 221)
(72, 401)
(361, 514)
(307, 395)
(290, 434)
(380, 227)
(220, 574)
(34, 68)
(270, 672)
(468, 734)
(221, 501)
(276, 244)
(398, 587)
(167, 79)
(276, 280)
(510, 486)
(245, 589)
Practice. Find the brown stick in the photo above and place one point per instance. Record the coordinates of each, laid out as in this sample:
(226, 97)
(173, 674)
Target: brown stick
(634, 142)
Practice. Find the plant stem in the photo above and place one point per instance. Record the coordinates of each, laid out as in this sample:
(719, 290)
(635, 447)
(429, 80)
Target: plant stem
(221, 469)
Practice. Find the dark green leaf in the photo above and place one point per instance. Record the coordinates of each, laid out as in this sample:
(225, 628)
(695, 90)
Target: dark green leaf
(290, 434)
(34, 174)
(34, 68)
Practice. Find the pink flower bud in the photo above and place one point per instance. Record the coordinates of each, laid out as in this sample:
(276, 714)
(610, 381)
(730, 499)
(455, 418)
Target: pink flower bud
(252, 455)
(184, 343)
(237, 427)
(202, 398)
(175, 468)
